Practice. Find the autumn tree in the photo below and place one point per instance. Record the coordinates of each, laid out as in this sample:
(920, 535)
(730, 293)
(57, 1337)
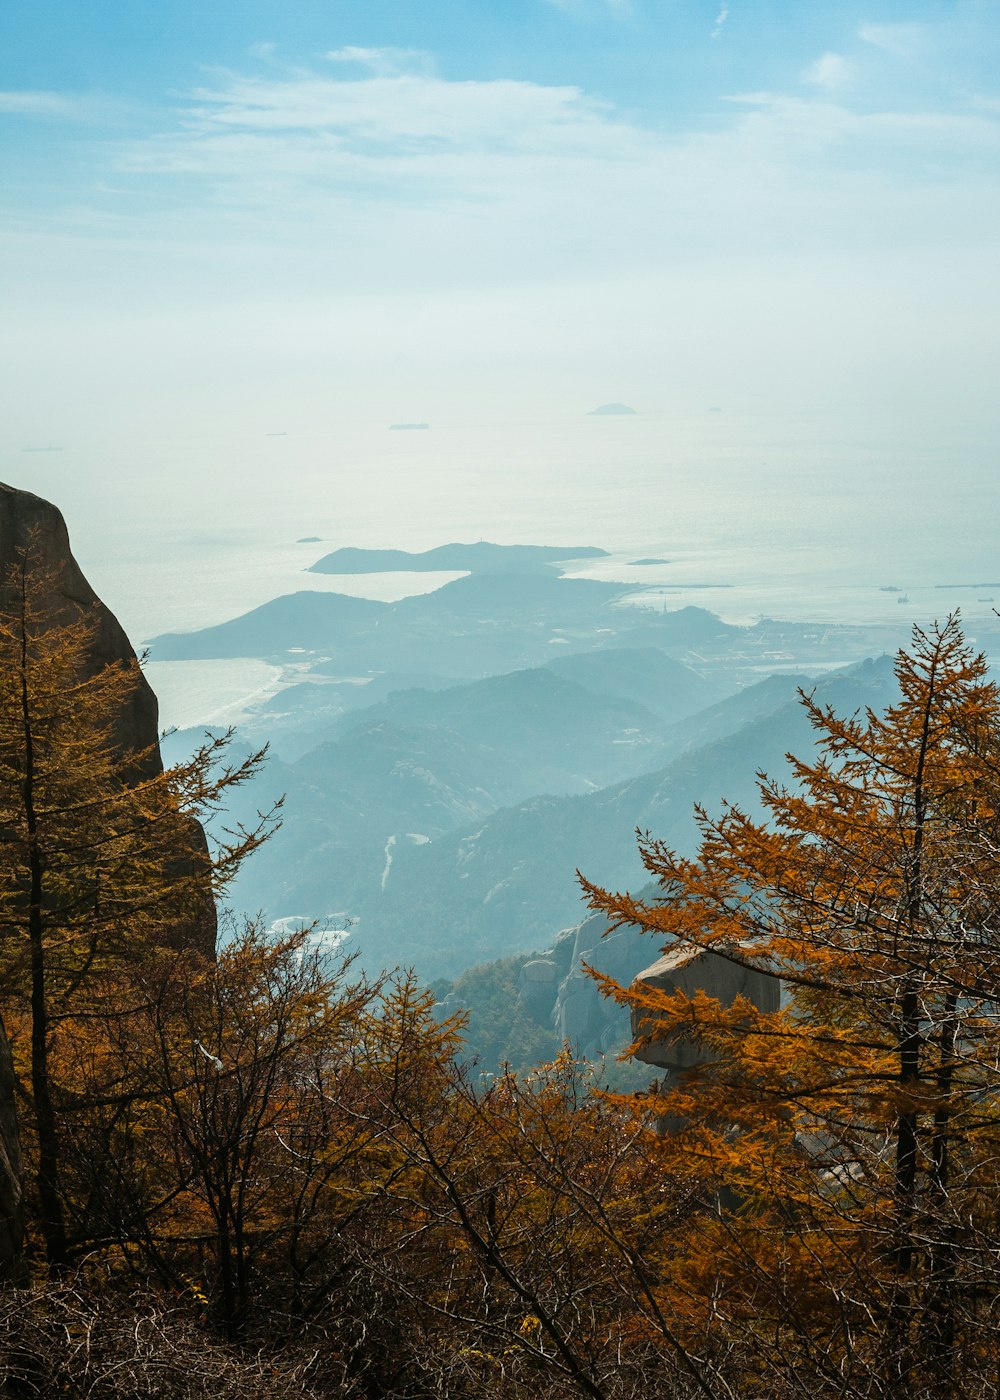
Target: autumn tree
(532, 1216)
(102, 855)
(209, 1172)
(846, 1145)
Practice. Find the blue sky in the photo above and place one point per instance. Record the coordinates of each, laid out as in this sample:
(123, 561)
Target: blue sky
(221, 213)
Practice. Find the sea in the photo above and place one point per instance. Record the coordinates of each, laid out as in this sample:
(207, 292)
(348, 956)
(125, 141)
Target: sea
(747, 514)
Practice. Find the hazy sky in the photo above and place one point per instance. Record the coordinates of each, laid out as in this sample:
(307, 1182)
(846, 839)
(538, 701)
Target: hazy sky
(269, 216)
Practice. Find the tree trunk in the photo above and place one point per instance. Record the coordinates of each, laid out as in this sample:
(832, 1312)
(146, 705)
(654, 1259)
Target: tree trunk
(11, 1180)
(50, 1206)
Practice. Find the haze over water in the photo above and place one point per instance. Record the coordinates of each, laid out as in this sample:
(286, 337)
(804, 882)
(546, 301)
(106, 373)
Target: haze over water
(791, 521)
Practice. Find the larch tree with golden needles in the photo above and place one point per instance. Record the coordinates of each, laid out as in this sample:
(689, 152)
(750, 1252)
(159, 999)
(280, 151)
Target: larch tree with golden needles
(100, 855)
(213, 1178)
(846, 1144)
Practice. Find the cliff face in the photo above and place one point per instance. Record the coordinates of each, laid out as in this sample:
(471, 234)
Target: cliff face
(26, 519)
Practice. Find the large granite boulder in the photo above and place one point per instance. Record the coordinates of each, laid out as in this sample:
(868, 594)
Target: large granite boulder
(689, 969)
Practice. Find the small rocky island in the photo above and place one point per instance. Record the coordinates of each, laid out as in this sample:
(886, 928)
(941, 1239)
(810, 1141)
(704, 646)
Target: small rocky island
(479, 558)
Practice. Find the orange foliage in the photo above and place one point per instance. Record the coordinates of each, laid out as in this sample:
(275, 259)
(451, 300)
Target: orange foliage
(846, 1144)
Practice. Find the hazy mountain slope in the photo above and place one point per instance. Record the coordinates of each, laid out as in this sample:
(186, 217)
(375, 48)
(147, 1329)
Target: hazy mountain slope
(307, 621)
(535, 713)
(639, 688)
(679, 631)
(474, 626)
(726, 716)
(488, 624)
(507, 883)
(513, 596)
(428, 762)
(301, 717)
(644, 675)
(346, 804)
(491, 882)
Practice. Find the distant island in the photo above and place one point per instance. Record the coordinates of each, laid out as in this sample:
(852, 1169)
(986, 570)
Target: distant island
(309, 539)
(407, 427)
(610, 410)
(635, 562)
(479, 558)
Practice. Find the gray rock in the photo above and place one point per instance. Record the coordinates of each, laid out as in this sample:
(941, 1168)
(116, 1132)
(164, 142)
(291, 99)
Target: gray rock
(688, 969)
(537, 983)
(592, 1022)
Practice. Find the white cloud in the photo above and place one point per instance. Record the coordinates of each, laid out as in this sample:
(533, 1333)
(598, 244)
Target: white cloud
(720, 19)
(343, 232)
(383, 62)
(371, 185)
(829, 71)
(406, 117)
(263, 49)
(416, 139)
(899, 40)
(45, 104)
(904, 145)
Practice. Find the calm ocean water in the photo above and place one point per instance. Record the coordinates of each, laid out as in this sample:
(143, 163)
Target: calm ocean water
(794, 520)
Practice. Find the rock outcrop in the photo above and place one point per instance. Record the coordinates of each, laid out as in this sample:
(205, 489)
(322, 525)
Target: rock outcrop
(581, 1015)
(26, 520)
(685, 968)
(556, 989)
